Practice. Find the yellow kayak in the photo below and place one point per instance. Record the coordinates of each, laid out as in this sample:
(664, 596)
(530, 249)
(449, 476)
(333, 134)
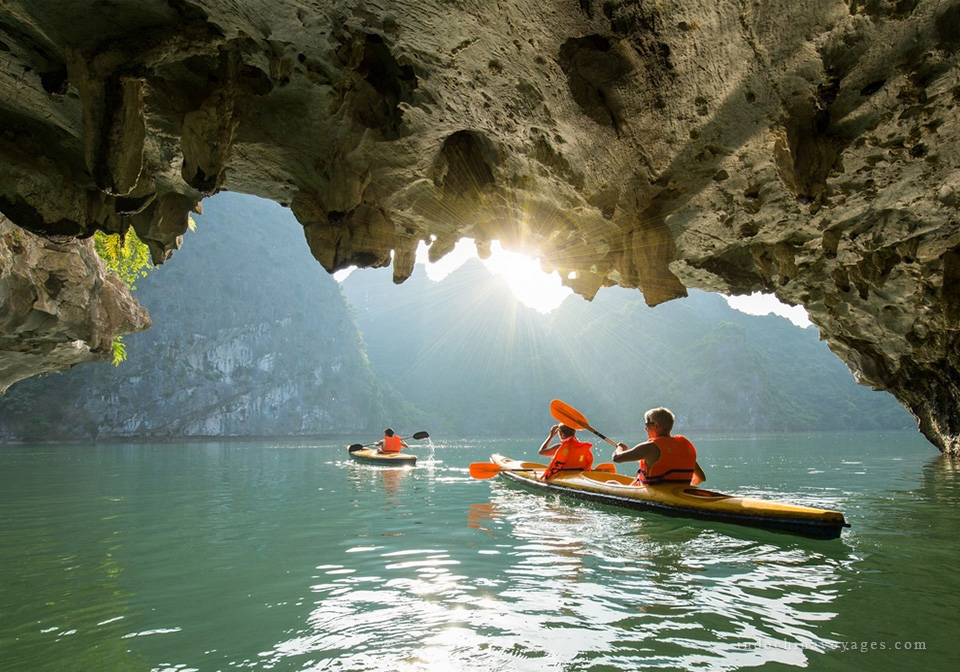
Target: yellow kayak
(371, 456)
(676, 499)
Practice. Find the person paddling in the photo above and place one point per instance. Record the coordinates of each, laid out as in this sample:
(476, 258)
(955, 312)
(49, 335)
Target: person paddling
(390, 443)
(663, 458)
(568, 455)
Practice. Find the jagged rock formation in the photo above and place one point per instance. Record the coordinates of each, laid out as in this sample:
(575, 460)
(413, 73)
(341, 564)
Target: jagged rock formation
(58, 305)
(805, 149)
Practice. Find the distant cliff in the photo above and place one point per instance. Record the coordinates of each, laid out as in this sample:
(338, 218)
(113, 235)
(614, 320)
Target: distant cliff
(251, 338)
(466, 352)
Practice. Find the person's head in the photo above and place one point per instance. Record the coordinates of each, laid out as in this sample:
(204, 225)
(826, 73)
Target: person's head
(659, 421)
(567, 432)
(388, 432)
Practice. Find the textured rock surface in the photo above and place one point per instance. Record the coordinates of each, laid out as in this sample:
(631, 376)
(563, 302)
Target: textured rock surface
(58, 306)
(805, 149)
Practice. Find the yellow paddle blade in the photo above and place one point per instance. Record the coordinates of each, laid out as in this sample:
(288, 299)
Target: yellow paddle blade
(568, 415)
(484, 469)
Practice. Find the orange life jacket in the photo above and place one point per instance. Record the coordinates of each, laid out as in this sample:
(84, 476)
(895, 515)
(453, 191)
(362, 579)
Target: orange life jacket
(572, 455)
(392, 444)
(676, 464)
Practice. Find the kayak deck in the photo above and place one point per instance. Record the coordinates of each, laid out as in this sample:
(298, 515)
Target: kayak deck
(676, 499)
(371, 456)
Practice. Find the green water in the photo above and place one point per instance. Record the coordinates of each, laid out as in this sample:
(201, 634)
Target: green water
(287, 556)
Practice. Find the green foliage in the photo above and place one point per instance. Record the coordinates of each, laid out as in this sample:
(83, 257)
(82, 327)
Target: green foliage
(119, 351)
(126, 256)
(129, 259)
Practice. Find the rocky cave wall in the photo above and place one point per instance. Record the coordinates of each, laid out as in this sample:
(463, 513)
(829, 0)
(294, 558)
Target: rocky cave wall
(803, 149)
(58, 305)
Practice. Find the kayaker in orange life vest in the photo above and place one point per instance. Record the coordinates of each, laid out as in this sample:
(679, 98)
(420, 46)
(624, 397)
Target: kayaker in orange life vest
(663, 458)
(568, 455)
(390, 443)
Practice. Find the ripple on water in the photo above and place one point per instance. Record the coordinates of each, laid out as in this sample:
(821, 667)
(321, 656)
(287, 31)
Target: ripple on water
(183, 558)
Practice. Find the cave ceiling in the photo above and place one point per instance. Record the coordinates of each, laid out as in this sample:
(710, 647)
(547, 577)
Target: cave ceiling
(807, 150)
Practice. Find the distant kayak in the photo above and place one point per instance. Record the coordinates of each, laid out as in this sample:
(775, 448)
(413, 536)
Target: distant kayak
(368, 454)
(676, 499)
(371, 456)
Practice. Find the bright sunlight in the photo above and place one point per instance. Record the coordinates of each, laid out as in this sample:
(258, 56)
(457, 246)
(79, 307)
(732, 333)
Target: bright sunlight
(544, 292)
(532, 287)
(764, 304)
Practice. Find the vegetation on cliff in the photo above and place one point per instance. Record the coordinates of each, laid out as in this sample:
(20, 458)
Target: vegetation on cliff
(129, 259)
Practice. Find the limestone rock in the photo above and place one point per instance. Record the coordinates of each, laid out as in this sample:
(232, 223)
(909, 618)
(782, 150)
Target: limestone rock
(58, 306)
(803, 149)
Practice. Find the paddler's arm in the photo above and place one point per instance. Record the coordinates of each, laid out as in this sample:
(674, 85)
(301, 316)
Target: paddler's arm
(648, 451)
(545, 447)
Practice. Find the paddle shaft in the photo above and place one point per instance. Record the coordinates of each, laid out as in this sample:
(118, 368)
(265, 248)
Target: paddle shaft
(610, 441)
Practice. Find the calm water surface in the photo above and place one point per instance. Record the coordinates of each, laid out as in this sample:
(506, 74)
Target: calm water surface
(288, 556)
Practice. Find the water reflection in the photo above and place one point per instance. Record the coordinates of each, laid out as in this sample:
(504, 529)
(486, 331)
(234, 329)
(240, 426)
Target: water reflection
(481, 515)
(264, 558)
(941, 480)
(658, 583)
(375, 482)
(543, 584)
(391, 480)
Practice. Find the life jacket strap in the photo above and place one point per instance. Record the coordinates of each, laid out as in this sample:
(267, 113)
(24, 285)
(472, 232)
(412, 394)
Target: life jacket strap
(672, 476)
